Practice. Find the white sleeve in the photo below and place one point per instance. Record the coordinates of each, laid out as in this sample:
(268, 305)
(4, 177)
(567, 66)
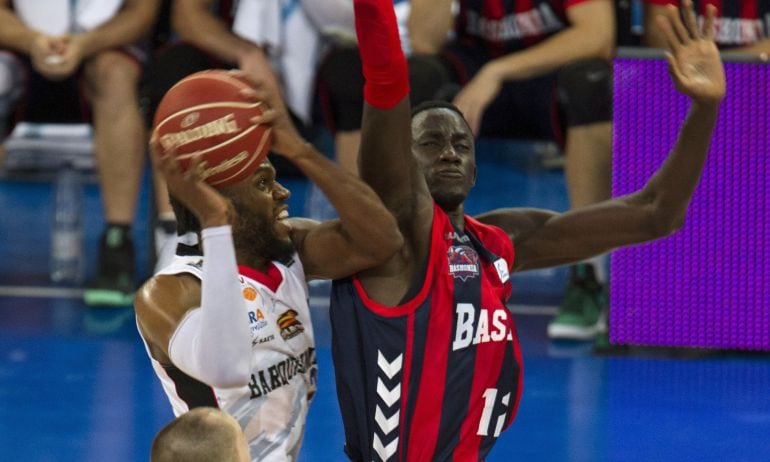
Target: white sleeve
(213, 343)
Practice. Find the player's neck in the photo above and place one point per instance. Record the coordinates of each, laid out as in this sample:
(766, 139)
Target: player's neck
(457, 217)
(250, 258)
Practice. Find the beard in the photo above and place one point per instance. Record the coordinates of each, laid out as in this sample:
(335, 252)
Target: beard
(255, 235)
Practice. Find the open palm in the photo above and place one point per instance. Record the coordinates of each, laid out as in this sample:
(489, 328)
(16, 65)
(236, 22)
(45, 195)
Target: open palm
(693, 57)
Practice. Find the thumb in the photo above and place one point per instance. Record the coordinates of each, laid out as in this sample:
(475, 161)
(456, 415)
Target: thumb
(673, 67)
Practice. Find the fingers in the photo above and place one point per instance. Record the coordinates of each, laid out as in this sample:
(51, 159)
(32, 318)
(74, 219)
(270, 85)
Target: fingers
(671, 39)
(691, 23)
(259, 94)
(673, 67)
(261, 90)
(709, 30)
(674, 15)
(157, 149)
(165, 160)
(196, 169)
(267, 117)
(154, 148)
(270, 107)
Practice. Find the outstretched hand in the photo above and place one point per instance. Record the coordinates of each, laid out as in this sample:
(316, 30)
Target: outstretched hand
(693, 57)
(209, 206)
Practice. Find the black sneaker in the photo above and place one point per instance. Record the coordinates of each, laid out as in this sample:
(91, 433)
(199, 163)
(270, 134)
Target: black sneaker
(114, 283)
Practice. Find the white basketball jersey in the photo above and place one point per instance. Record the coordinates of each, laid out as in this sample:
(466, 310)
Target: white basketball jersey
(273, 407)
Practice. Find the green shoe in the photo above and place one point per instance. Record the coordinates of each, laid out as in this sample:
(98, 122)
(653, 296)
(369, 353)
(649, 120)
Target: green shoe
(114, 282)
(583, 313)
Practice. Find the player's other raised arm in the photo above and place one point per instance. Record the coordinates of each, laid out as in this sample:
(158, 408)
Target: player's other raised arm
(385, 160)
(659, 208)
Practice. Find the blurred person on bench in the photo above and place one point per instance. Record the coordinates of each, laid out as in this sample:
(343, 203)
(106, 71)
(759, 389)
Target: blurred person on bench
(82, 61)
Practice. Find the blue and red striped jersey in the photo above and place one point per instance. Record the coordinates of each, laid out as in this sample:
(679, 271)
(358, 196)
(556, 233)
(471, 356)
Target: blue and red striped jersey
(439, 376)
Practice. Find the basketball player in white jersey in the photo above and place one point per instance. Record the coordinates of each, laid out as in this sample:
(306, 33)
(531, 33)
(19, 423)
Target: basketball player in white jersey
(230, 327)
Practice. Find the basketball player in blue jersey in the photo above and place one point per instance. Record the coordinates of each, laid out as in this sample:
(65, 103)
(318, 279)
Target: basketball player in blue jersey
(426, 357)
(230, 327)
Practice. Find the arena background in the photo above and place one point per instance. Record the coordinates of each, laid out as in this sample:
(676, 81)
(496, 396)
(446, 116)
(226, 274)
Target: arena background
(76, 383)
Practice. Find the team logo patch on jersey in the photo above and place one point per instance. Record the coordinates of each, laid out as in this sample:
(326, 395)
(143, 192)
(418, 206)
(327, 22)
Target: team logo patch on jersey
(463, 262)
(290, 325)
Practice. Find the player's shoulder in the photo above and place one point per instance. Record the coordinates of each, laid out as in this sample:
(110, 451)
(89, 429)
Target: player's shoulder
(167, 292)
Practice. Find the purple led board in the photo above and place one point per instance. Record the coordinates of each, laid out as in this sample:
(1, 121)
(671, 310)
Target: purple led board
(708, 285)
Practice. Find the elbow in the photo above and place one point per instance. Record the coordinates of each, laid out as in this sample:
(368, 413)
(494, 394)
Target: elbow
(597, 44)
(605, 51)
(603, 47)
(664, 223)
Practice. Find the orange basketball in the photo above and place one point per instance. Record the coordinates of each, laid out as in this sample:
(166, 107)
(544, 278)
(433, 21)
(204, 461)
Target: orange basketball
(205, 115)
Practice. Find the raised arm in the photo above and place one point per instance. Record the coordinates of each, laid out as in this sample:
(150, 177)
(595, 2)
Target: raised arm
(189, 323)
(385, 161)
(545, 238)
(365, 233)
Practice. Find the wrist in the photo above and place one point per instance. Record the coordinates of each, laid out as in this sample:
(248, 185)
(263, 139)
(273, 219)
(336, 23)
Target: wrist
(247, 53)
(707, 104)
(85, 44)
(298, 149)
(214, 220)
(211, 231)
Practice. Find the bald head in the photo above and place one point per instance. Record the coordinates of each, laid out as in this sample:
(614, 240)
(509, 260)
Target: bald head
(200, 435)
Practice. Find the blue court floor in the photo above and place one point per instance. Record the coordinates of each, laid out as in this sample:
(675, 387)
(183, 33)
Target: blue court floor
(76, 384)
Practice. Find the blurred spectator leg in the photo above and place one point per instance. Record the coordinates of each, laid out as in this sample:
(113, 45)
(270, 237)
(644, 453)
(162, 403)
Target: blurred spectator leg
(585, 93)
(119, 142)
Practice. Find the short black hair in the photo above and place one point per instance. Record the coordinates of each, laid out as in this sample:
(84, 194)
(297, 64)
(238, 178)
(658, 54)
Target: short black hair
(438, 104)
(435, 104)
